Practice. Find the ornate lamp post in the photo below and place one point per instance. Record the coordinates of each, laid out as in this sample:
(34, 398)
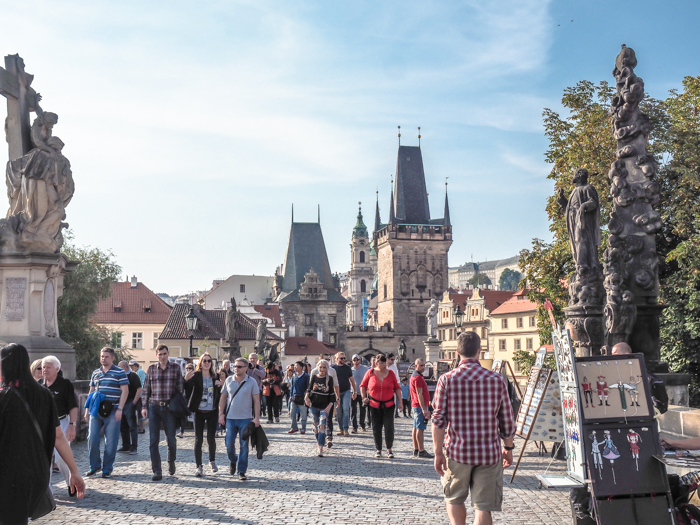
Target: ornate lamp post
(191, 324)
(459, 319)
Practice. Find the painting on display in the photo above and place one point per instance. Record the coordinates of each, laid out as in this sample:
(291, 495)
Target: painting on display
(497, 365)
(575, 460)
(522, 416)
(564, 357)
(613, 388)
(621, 459)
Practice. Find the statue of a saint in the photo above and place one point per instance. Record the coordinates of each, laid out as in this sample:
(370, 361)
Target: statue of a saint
(431, 317)
(260, 335)
(582, 220)
(232, 324)
(402, 352)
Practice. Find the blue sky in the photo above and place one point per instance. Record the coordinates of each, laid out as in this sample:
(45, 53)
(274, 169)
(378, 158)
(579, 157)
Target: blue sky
(192, 127)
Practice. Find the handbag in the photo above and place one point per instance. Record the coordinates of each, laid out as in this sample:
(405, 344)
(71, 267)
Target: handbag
(46, 503)
(178, 405)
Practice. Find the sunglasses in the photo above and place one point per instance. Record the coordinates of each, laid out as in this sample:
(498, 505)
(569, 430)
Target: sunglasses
(189, 368)
(206, 360)
(240, 366)
(342, 359)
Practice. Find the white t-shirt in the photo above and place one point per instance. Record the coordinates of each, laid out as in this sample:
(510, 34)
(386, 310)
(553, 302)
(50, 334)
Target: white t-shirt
(394, 369)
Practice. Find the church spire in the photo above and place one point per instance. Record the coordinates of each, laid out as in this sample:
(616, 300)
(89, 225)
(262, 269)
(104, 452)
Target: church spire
(360, 230)
(392, 217)
(377, 218)
(446, 220)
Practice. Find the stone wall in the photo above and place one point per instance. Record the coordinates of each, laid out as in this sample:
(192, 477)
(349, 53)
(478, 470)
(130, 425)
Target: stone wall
(294, 314)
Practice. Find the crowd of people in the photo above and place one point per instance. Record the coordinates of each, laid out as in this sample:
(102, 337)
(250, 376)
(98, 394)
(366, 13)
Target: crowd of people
(353, 396)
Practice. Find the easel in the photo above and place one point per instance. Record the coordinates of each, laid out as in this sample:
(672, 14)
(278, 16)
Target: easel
(499, 366)
(529, 409)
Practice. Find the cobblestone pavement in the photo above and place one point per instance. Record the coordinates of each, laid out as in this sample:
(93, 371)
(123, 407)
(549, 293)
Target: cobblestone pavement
(291, 485)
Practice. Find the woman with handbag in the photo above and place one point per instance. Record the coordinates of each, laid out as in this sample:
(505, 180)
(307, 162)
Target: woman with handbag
(29, 428)
(298, 386)
(203, 390)
(271, 391)
(320, 396)
(378, 389)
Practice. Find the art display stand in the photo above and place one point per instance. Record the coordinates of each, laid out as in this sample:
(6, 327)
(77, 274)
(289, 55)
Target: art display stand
(503, 367)
(31, 286)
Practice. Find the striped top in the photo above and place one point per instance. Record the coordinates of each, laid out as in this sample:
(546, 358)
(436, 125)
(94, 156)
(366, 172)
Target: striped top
(110, 383)
(472, 403)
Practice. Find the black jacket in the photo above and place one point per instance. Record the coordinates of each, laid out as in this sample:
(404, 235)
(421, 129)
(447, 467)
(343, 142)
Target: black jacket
(258, 439)
(194, 389)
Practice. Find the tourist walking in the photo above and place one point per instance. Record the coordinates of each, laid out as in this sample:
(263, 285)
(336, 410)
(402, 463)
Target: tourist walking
(358, 407)
(25, 463)
(420, 407)
(110, 381)
(331, 373)
(471, 406)
(257, 372)
(129, 424)
(66, 407)
(298, 388)
(238, 406)
(287, 385)
(348, 391)
(203, 391)
(180, 421)
(320, 397)
(163, 380)
(379, 389)
(35, 369)
(272, 391)
(136, 369)
(405, 396)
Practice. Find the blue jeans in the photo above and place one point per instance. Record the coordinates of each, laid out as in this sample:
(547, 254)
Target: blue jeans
(157, 415)
(111, 429)
(344, 410)
(233, 427)
(303, 409)
(320, 420)
(129, 427)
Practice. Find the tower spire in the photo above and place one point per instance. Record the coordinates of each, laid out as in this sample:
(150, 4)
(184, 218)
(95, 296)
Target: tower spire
(446, 220)
(292, 213)
(319, 214)
(419, 136)
(399, 135)
(377, 217)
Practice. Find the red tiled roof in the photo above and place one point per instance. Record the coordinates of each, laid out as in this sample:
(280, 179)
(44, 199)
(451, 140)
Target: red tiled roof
(271, 311)
(460, 298)
(127, 305)
(306, 346)
(515, 305)
(495, 298)
(212, 324)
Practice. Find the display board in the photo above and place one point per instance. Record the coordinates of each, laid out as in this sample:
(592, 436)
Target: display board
(612, 388)
(548, 424)
(503, 367)
(680, 459)
(522, 423)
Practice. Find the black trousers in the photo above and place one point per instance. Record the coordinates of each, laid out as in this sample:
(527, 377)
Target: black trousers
(272, 406)
(383, 417)
(364, 414)
(406, 408)
(209, 419)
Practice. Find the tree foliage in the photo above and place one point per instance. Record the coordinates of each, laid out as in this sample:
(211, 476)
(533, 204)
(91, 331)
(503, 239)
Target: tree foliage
(526, 360)
(83, 290)
(509, 280)
(479, 279)
(584, 139)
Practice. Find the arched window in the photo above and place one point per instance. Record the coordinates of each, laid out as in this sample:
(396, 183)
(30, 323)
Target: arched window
(363, 285)
(362, 259)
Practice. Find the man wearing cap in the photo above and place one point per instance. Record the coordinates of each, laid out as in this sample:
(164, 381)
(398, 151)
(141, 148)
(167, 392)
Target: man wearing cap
(129, 426)
(136, 369)
(358, 374)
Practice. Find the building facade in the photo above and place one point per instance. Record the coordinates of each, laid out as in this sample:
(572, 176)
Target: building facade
(256, 289)
(460, 275)
(361, 274)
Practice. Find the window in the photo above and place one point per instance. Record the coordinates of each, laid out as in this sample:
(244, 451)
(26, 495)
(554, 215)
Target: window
(137, 340)
(308, 319)
(501, 344)
(242, 288)
(363, 285)
(385, 291)
(332, 320)
(528, 343)
(504, 323)
(362, 257)
(517, 367)
(156, 335)
(422, 324)
(311, 334)
(516, 344)
(532, 321)
(333, 338)
(116, 339)
(519, 322)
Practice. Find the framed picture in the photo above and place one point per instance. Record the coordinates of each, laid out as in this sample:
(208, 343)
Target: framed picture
(613, 388)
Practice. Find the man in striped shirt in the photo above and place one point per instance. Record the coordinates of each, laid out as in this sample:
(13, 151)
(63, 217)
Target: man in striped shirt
(472, 406)
(111, 381)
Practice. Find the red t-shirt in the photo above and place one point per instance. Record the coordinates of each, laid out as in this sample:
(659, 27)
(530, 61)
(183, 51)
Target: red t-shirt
(418, 381)
(380, 390)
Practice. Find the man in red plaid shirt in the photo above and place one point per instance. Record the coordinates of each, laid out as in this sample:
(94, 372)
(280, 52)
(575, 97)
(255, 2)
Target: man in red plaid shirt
(472, 405)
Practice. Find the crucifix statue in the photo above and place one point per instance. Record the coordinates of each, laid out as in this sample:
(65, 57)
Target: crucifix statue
(38, 175)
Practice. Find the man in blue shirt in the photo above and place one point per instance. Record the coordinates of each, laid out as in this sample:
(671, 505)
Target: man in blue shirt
(300, 382)
(112, 382)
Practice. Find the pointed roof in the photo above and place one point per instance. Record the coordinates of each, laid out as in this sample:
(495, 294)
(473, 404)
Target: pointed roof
(306, 250)
(377, 217)
(411, 195)
(447, 211)
(360, 230)
(392, 217)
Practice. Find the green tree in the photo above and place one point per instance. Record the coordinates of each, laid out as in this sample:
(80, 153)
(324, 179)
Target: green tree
(83, 289)
(509, 280)
(479, 279)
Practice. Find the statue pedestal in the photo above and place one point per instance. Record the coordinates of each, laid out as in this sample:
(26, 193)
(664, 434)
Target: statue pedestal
(585, 323)
(31, 286)
(646, 338)
(433, 350)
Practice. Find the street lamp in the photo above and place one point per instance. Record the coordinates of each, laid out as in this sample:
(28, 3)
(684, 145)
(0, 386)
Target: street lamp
(459, 318)
(191, 324)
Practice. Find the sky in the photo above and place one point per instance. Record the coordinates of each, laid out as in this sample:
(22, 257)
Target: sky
(193, 127)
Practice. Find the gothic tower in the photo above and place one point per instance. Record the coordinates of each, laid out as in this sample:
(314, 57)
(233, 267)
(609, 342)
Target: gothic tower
(361, 275)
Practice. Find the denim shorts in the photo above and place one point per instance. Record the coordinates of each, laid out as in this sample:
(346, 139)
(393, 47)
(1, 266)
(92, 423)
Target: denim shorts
(419, 420)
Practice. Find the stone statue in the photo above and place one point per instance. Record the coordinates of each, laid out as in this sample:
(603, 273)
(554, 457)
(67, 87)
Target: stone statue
(233, 324)
(39, 186)
(582, 220)
(260, 335)
(402, 352)
(431, 317)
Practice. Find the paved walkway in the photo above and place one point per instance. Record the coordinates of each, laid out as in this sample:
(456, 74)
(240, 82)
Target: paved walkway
(290, 485)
